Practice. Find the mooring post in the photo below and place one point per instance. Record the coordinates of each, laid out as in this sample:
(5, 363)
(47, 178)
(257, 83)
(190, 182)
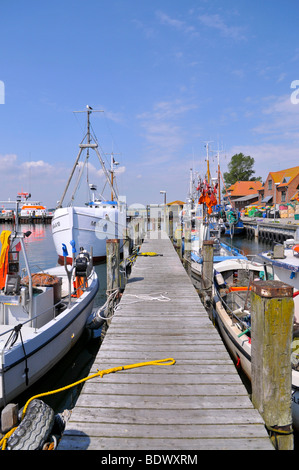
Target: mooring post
(179, 243)
(187, 246)
(112, 256)
(207, 271)
(271, 335)
(170, 225)
(136, 234)
(126, 244)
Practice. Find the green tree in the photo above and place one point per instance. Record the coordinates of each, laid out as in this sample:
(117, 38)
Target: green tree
(240, 169)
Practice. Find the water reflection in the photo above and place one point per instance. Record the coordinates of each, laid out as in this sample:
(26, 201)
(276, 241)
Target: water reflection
(247, 246)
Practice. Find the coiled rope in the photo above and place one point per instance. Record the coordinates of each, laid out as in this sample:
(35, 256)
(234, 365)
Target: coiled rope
(100, 373)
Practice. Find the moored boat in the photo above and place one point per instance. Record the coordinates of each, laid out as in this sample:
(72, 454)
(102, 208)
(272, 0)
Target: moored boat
(42, 315)
(91, 224)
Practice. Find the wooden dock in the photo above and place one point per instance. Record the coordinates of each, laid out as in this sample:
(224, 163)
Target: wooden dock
(198, 403)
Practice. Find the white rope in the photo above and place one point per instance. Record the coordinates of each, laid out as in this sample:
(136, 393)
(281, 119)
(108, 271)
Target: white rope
(160, 297)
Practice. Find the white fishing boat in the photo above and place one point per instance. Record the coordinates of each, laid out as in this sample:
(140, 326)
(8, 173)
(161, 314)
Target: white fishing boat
(285, 261)
(232, 313)
(98, 220)
(42, 315)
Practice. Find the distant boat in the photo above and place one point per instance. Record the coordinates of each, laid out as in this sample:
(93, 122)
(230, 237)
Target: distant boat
(233, 223)
(89, 225)
(33, 209)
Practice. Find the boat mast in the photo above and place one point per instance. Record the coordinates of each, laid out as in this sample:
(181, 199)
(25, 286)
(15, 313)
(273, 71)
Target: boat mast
(113, 163)
(87, 146)
(219, 195)
(208, 162)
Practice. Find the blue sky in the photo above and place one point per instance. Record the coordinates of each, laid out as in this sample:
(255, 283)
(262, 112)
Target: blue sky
(169, 76)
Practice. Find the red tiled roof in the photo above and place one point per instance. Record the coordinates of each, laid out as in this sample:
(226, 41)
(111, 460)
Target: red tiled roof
(289, 174)
(244, 188)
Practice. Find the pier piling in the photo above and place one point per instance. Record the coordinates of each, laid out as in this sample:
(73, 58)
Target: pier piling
(271, 333)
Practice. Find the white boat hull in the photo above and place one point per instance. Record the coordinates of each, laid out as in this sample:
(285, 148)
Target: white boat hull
(39, 349)
(88, 227)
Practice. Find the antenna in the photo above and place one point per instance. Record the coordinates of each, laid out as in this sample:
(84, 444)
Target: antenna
(89, 110)
(218, 172)
(113, 163)
(208, 163)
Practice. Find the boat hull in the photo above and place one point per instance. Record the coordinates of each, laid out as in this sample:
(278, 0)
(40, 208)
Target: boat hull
(88, 227)
(40, 349)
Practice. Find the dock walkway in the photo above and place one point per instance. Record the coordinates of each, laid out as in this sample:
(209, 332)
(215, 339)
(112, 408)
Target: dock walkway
(198, 403)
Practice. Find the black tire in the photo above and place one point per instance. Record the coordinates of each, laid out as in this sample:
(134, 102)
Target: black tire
(34, 429)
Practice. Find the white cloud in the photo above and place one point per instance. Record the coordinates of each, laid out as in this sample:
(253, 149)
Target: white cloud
(282, 117)
(38, 166)
(216, 22)
(268, 157)
(179, 25)
(7, 162)
(163, 130)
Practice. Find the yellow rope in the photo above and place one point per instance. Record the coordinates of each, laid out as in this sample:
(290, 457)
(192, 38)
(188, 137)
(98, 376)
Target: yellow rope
(100, 373)
(148, 253)
(6, 437)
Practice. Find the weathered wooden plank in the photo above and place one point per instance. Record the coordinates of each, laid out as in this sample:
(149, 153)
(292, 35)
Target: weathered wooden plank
(165, 431)
(179, 379)
(100, 415)
(183, 369)
(82, 442)
(177, 403)
(172, 389)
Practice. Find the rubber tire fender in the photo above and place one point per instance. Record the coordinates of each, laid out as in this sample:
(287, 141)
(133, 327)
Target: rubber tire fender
(32, 432)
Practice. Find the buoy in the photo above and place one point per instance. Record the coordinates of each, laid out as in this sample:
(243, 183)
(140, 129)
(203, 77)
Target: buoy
(296, 250)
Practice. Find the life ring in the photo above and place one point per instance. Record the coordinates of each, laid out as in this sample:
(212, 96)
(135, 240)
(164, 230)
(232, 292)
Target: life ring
(296, 249)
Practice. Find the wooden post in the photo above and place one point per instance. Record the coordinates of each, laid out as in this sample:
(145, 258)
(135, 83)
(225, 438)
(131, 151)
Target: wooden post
(112, 254)
(136, 234)
(271, 332)
(179, 243)
(207, 271)
(187, 246)
(170, 225)
(159, 224)
(126, 244)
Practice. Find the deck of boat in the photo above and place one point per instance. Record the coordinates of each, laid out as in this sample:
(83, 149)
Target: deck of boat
(198, 403)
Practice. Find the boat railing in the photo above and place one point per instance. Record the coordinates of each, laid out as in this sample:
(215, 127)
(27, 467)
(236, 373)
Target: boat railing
(229, 310)
(33, 320)
(233, 250)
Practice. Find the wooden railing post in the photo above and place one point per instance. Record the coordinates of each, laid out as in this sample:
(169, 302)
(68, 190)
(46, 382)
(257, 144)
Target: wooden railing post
(207, 271)
(112, 256)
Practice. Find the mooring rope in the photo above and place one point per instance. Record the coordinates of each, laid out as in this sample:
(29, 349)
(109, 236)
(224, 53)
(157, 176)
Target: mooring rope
(100, 373)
